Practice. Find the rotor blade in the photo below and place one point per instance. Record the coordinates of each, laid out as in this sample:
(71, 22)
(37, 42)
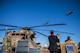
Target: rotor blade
(7, 29)
(65, 32)
(48, 25)
(41, 33)
(55, 31)
(10, 25)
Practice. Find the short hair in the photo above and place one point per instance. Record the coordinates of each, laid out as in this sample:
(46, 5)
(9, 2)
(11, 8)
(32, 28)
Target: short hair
(51, 31)
(68, 37)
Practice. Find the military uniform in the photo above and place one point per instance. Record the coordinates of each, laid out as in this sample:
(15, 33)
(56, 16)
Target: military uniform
(7, 44)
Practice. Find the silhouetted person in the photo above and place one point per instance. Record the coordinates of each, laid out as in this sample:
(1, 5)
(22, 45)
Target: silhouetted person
(7, 43)
(53, 48)
(79, 47)
(68, 39)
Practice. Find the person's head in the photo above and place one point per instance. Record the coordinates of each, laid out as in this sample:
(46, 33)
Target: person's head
(52, 31)
(8, 31)
(68, 38)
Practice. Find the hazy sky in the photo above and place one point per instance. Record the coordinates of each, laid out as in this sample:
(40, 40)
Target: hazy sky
(36, 12)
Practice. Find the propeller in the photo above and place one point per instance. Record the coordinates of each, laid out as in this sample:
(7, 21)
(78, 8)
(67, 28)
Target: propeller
(6, 29)
(9, 29)
(41, 33)
(10, 25)
(55, 31)
(29, 28)
(48, 25)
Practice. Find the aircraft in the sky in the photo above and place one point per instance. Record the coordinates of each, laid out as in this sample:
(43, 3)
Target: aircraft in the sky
(47, 22)
(70, 12)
